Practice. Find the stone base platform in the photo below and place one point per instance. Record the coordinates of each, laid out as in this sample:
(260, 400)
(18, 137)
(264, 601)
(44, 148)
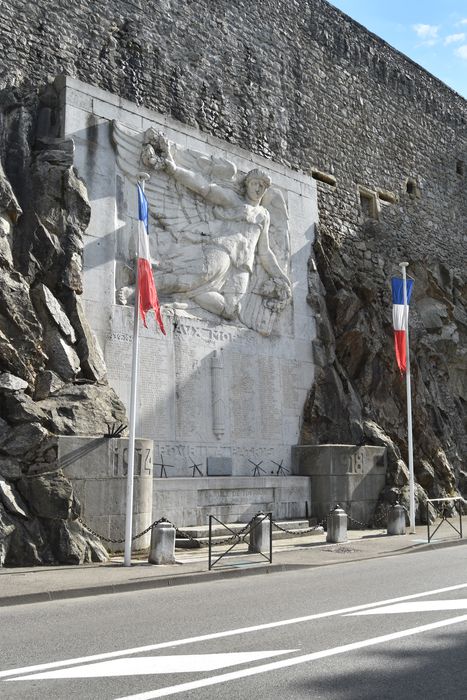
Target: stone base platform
(349, 475)
(190, 501)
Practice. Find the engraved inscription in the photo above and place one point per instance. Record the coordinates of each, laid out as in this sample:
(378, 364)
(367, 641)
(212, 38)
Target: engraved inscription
(243, 396)
(355, 463)
(269, 398)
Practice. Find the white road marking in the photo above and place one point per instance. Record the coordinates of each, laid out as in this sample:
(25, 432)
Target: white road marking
(149, 665)
(415, 606)
(220, 635)
(274, 666)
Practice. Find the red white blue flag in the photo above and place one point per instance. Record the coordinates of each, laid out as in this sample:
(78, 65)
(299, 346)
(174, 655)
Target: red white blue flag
(400, 320)
(147, 289)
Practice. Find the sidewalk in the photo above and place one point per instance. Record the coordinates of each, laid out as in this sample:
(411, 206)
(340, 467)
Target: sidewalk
(40, 584)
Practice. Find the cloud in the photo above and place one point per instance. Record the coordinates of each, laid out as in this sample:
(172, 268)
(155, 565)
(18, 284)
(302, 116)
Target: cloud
(462, 51)
(463, 21)
(454, 38)
(426, 31)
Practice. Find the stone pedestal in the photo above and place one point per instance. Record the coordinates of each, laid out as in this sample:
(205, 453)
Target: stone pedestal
(350, 475)
(97, 468)
(162, 549)
(260, 535)
(190, 501)
(396, 520)
(337, 526)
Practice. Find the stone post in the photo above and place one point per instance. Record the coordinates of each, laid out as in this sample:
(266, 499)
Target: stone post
(162, 550)
(260, 535)
(396, 520)
(337, 526)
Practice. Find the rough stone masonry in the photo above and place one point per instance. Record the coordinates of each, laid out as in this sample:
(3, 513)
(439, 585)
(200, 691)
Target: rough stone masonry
(297, 82)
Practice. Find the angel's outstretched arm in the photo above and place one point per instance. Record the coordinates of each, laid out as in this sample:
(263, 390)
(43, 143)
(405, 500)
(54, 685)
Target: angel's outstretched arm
(215, 194)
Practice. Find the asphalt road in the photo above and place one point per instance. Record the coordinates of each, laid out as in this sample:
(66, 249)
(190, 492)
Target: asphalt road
(391, 628)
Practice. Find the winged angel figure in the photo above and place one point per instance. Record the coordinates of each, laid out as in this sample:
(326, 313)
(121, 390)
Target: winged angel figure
(222, 238)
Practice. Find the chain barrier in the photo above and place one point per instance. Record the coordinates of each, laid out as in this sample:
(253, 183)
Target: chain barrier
(238, 536)
(114, 541)
(299, 533)
(181, 534)
(380, 520)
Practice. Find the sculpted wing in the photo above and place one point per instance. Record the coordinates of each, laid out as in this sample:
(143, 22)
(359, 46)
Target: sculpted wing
(255, 311)
(172, 207)
(279, 237)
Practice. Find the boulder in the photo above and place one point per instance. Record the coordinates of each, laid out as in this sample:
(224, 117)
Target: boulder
(27, 545)
(50, 310)
(23, 440)
(11, 500)
(49, 496)
(47, 383)
(6, 530)
(9, 382)
(84, 409)
(71, 544)
(10, 468)
(13, 362)
(18, 319)
(91, 357)
(63, 359)
(21, 408)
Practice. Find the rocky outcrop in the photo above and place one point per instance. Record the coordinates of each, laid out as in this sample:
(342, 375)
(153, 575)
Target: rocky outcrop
(52, 373)
(359, 396)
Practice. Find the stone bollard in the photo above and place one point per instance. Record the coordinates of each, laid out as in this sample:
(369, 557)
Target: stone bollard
(162, 550)
(260, 535)
(337, 525)
(396, 520)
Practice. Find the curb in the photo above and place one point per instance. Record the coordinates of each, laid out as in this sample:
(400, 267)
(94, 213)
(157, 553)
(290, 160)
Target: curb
(203, 576)
(148, 583)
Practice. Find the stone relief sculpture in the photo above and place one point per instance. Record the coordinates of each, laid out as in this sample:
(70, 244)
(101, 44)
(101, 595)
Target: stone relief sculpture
(220, 239)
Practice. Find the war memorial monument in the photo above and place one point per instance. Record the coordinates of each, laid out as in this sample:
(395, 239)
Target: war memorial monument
(290, 161)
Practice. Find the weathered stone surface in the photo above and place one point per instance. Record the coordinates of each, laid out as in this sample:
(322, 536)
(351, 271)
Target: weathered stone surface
(18, 320)
(72, 544)
(40, 258)
(50, 310)
(46, 252)
(47, 383)
(8, 382)
(11, 500)
(6, 530)
(13, 361)
(87, 347)
(20, 408)
(23, 440)
(27, 545)
(84, 409)
(50, 495)
(10, 468)
(63, 359)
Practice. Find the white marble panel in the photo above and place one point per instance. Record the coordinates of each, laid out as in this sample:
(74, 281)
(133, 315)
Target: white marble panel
(246, 405)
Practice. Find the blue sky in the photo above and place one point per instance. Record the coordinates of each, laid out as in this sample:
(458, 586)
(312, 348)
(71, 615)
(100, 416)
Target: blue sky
(433, 33)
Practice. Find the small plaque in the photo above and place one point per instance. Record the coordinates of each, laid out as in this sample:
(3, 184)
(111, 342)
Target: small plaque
(219, 466)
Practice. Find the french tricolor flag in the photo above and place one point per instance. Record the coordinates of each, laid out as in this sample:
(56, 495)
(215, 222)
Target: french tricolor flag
(400, 320)
(147, 289)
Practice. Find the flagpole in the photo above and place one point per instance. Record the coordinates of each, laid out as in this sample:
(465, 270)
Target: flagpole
(132, 417)
(403, 267)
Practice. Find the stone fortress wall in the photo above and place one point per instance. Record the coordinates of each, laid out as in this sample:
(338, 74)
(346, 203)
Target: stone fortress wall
(302, 84)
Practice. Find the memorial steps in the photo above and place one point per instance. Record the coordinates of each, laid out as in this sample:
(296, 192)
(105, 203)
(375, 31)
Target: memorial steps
(200, 533)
